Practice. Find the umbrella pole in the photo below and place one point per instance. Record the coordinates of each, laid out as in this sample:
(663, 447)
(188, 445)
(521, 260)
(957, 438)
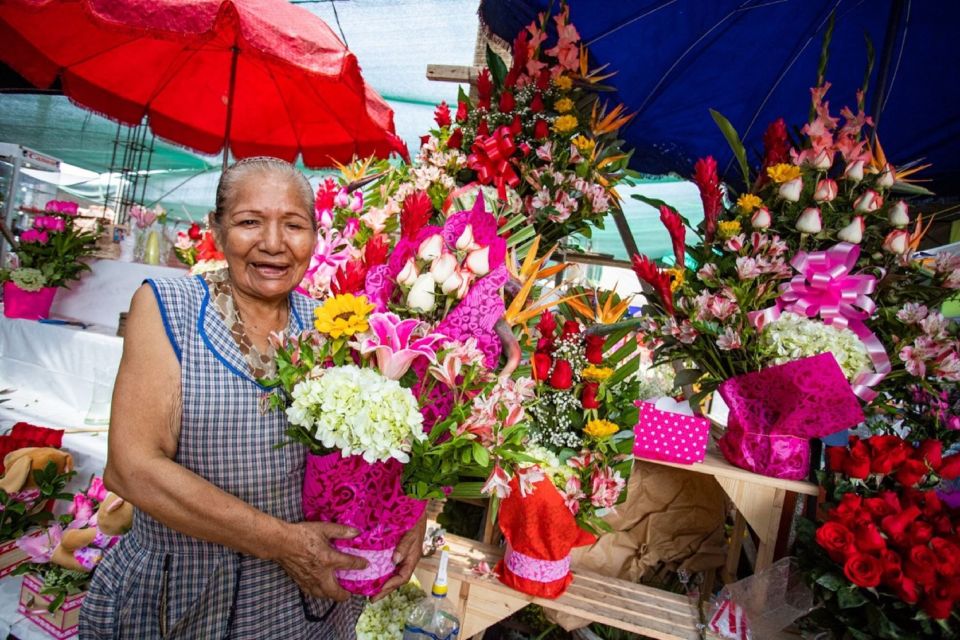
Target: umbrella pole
(235, 52)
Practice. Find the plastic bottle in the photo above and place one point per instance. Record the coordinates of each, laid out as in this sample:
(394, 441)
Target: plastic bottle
(434, 618)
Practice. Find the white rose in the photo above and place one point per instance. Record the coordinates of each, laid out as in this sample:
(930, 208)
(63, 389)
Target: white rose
(854, 171)
(899, 216)
(408, 275)
(431, 248)
(466, 242)
(809, 221)
(853, 232)
(761, 219)
(443, 266)
(479, 261)
(791, 190)
(422, 296)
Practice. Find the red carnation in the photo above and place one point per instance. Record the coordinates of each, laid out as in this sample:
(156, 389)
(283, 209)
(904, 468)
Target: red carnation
(507, 103)
(589, 397)
(863, 570)
(950, 468)
(836, 539)
(595, 349)
(350, 278)
(456, 139)
(547, 324)
(541, 129)
(462, 111)
(484, 84)
(660, 281)
(570, 328)
(857, 463)
(543, 79)
(375, 251)
(776, 145)
(536, 105)
(414, 214)
(541, 366)
(674, 224)
(911, 472)
(562, 377)
(442, 115)
(706, 179)
(194, 232)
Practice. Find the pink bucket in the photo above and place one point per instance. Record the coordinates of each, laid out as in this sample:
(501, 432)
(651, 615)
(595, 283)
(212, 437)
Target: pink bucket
(27, 305)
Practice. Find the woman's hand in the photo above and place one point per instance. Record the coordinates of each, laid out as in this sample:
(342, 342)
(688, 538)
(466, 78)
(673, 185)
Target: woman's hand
(408, 554)
(308, 557)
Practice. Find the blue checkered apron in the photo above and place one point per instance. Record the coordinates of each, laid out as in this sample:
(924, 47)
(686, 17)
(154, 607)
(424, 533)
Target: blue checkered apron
(160, 583)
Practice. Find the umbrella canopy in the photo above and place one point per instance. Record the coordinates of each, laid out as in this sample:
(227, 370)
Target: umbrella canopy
(755, 60)
(269, 77)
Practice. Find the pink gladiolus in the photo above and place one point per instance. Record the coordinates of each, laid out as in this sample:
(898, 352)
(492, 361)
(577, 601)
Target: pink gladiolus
(498, 483)
(826, 190)
(396, 345)
(342, 199)
(897, 241)
(97, 491)
(351, 228)
(606, 486)
(356, 204)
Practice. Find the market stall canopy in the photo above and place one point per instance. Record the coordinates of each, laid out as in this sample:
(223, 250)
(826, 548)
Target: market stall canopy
(270, 77)
(755, 60)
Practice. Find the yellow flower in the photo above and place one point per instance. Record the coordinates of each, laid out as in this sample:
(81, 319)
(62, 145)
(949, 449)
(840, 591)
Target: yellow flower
(728, 228)
(597, 373)
(564, 83)
(343, 315)
(783, 172)
(565, 124)
(677, 276)
(563, 105)
(601, 429)
(584, 144)
(748, 202)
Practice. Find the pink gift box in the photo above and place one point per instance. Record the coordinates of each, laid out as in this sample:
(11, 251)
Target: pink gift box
(670, 437)
(63, 624)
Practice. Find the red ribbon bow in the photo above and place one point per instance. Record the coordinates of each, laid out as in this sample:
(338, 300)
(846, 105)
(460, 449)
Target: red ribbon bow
(491, 160)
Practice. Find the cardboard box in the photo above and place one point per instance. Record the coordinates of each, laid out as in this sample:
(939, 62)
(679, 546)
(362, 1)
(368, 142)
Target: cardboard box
(10, 557)
(63, 624)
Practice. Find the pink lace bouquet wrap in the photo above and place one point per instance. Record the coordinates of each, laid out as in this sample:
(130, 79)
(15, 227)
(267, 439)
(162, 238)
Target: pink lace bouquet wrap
(353, 492)
(774, 413)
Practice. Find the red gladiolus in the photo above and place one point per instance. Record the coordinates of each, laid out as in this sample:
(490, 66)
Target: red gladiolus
(674, 224)
(863, 570)
(706, 179)
(950, 468)
(570, 328)
(836, 539)
(350, 278)
(484, 84)
(541, 129)
(507, 103)
(536, 105)
(442, 115)
(541, 366)
(911, 472)
(462, 111)
(375, 251)
(547, 324)
(520, 51)
(194, 232)
(660, 281)
(589, 397)
(414, 214)
(562, 377)
(455, 141)
(776, 145)
(595, 349)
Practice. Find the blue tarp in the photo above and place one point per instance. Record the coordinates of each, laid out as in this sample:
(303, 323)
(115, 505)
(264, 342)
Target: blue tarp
(755, 60)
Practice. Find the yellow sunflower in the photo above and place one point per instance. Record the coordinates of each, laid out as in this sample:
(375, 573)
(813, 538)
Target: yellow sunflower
(565, 124)
(728, 228)
(598, 374)
(564, 83)
(783, 172)
(677, 277)
(343, 315)
(584, 144)
(600, 429)
(748, 202)
(563, 105)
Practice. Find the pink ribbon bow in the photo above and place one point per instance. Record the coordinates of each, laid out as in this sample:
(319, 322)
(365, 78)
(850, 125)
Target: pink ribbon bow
(825, 287)
(491, 160)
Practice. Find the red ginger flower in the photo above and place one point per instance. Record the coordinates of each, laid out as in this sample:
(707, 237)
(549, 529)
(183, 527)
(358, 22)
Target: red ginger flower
(350, 278)
(776, 145)
(706, 179)
(484, 85)
(659, 280)
(674, 224)
(415, 213)
(375, 251)
(442, 115)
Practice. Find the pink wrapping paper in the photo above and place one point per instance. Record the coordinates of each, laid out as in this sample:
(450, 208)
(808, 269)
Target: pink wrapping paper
(774, 413)
(668, 436)
(368, 497)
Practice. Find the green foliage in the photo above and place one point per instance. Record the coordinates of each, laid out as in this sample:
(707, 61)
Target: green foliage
(17, 516)
(59, 260)
(58, 582)
(733, 139)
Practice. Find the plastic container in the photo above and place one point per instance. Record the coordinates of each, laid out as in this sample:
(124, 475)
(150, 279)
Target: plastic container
(434, 618)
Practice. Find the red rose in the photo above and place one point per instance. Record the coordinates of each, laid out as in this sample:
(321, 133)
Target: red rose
(541, 366)
(950, 469)
(455, 141)
(878, 507)
(482, 129)
(938, 608)
(931, 503)
(921, 565)
(948, 557)
(911, 472)
(516, 127)
(868, 538)
(543, 79)
(442, 115)
(589, 397)
(857, 463)
(887, 453)
(919, 532)
(562, 377)
(930, 451)
(507, 103)
(545, 345)
(836, 539)
(540, 129)
(547, 324)
(462, 112)
(595, 349)
(942, 525)
(850, 509)
(895, 526)
(863, 570)
(536, 105)
(570, 328)
(906, 589)
(892, 569)
(194, 232)
(836, 458)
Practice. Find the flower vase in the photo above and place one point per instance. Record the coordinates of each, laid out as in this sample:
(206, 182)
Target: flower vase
(151, 251)
(369, 498)
(140, 242)
(27, 305)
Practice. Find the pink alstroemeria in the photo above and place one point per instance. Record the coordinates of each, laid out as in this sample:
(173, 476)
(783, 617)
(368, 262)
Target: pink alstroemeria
(40, 546)
(606, 486)
(527, 478)
(498, 483)
(459, 356)
(396, 345)
(332, 252)
(573, 494)
(729, 340)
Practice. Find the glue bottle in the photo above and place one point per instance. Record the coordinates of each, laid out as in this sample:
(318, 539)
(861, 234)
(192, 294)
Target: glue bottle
(434, 618)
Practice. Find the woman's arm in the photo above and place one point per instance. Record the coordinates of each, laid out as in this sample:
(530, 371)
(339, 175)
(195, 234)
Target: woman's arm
(144, 431)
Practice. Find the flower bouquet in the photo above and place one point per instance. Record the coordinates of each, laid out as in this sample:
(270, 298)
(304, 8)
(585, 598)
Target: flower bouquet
(883, 560)
(197, 249)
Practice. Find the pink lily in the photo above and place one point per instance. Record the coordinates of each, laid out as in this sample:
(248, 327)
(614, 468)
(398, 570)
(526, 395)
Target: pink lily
(396, 345)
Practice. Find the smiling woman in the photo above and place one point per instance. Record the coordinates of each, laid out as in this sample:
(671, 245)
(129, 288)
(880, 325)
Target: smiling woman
(218, 547)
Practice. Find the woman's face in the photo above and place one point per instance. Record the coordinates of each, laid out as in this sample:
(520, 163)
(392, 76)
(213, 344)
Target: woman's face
(267, 236)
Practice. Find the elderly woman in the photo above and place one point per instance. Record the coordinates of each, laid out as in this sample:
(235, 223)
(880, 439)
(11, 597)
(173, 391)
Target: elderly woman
(218, 547)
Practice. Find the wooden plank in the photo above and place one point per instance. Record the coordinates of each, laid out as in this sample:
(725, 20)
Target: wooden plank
(452, 73)
(715, 465)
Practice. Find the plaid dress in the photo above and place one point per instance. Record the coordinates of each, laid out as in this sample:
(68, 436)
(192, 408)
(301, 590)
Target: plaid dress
(160, 583)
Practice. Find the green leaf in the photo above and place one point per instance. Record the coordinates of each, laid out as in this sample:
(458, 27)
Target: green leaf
(831, 582)
(824, 54)
(498, 70)
(686, 377)
(733, 139)
(850, 597)
(463, 97)
(481, 455)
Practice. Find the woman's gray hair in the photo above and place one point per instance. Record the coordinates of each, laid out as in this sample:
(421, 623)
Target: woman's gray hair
(238, 171)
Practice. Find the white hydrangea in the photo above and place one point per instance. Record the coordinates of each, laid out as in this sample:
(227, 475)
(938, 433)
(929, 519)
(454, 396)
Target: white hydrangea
(358, 412)
(792, 337)
(384, 619)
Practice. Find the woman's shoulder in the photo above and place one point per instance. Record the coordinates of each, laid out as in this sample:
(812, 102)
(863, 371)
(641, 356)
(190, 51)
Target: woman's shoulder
(303, 304)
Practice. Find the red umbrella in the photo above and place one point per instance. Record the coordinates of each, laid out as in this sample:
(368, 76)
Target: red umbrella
(264, 76)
